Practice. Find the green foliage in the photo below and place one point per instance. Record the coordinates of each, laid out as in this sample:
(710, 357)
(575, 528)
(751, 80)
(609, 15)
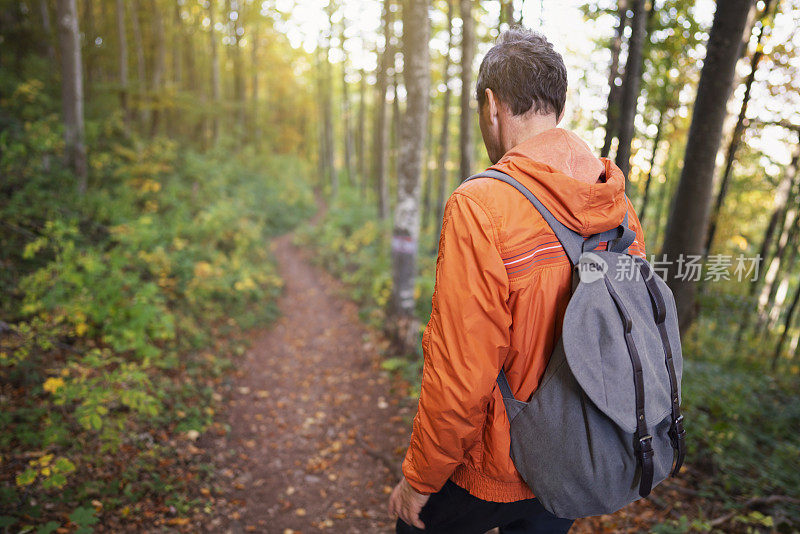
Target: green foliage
(109, 298)
(741, 419)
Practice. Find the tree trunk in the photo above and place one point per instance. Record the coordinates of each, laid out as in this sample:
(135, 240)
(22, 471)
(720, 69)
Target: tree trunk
(395, 124)
(47, 27)
(381, 133)
(736, 137)
(405, 234)
(427, 173)
(787, 238)
(614, 93)
(141, 74)
(160, 66)
(89, 53)
(346, 116)
(778, 218)
(778, 296)
(177, 62)
(648, 182)
(689, 218)
(787, 325)
(238, 67)
(72, 90)
(361, 136)
(467, 117)
(323, 172)
(444, 136)
(327, 107)
(631, 87)
(123, 63)
(254, 67)
(216, 88)
(506, 15)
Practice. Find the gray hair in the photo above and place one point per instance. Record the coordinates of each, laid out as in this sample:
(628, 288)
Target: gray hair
(525, 73)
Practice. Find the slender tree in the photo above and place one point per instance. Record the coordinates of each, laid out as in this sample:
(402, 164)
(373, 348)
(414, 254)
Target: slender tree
(346, 110)
(160, 65)
(361, 133)
(141, 70)
(122, 42)
(216, 84)
(787, 325)
(72, 90)
(47, 28)
(631, 86)
(405, 233)
(467, 59)
(689, 218)
(327, 106)
(444, 135)
(653, 154)
(779, 216)
(381, 133)
(614, 81)
(255, 34)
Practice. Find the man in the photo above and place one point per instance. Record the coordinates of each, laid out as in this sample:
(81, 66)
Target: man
(502, 285)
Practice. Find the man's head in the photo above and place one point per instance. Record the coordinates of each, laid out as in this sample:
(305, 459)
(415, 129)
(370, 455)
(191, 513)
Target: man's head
(521, 90)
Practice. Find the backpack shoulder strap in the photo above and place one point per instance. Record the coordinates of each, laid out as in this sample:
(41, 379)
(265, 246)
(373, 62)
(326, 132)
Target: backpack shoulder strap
(571, 240)
(618, 239)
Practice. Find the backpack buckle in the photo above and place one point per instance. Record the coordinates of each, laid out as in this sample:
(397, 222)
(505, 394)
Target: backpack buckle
(646, 445)
(677, 433)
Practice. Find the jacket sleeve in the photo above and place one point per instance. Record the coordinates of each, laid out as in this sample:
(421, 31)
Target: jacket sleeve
(464, 345)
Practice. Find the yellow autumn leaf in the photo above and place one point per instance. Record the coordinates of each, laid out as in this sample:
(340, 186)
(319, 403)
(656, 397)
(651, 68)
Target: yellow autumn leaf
(51, 385)
(81, 329)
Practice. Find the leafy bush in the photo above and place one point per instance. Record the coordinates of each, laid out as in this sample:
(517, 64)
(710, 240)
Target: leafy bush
(108, 298)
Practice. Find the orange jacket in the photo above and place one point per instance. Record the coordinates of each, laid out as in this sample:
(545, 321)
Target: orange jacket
(502, 285)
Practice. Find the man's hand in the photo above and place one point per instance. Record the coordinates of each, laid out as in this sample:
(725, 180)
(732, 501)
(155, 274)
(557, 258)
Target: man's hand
(407, 503)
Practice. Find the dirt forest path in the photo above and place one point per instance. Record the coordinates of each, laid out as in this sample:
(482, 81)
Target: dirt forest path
(317, 429)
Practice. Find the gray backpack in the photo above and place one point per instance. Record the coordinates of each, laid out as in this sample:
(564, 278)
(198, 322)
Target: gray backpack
(604, 426)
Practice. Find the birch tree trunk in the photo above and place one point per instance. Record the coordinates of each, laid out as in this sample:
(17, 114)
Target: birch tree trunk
(631, 87)
(412, 137)
(72, 90)
(689, 218)
(467, 58)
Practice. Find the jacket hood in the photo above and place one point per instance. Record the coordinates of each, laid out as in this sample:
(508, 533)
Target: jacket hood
(584, 192)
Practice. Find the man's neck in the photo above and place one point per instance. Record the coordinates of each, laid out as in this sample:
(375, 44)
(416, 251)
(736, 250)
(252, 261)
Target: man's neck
(520, 129)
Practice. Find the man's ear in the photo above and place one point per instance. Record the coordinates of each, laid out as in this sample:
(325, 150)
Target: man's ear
(492, 103)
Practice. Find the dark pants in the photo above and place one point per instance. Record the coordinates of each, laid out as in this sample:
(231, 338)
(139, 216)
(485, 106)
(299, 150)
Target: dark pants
(453, 510)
